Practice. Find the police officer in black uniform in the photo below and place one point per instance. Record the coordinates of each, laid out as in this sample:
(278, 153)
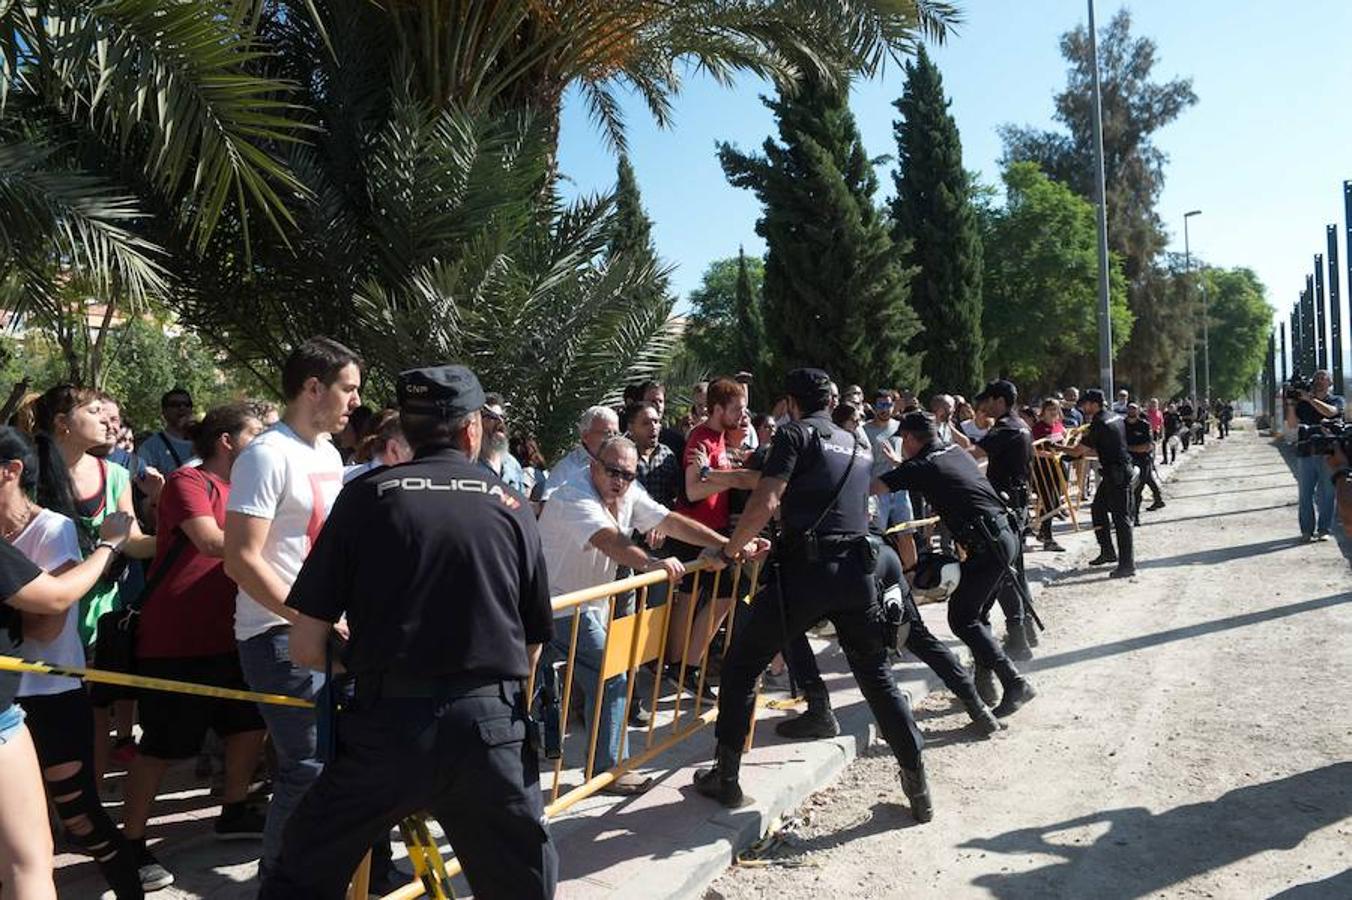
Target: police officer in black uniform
(1008, 449)
(978, 519)
(1107, 439)
(437, 566)
(817, 476)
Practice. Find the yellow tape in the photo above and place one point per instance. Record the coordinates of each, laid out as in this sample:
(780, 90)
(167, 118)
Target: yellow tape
(14, 664)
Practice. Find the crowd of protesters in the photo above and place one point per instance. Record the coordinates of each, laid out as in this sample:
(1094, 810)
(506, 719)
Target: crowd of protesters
(201, 526)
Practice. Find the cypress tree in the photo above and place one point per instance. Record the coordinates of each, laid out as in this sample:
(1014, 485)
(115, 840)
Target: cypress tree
(633, 230)
(749, 339)
(934, 220)
(835, 289)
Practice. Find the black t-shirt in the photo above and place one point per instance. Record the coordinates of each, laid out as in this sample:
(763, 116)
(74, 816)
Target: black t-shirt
(1185, 411)
(1009, 451)
(15, 571)
(1173, 423)
(1108, 436)
(951, 483)
(812, 455)
(673, 439)
(1308, 415)
(439, 568)
(1137, 432)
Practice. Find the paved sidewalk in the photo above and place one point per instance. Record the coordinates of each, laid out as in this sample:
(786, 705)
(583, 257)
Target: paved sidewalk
(667, 843)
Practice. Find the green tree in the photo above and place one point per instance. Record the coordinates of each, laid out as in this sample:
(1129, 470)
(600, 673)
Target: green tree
(1135, 108)
(1239, 320)
(749, 324)
(1041, 278)
(934, 220)
(835, 289)
(711, 336)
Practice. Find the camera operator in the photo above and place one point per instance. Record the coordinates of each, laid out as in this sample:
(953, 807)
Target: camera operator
(1342, 485)
(1313, 406)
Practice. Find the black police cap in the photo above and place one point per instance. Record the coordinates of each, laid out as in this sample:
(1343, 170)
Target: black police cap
(918, 423)
(449, 391)
(1093, 395)
(999, 390)
(810, 387)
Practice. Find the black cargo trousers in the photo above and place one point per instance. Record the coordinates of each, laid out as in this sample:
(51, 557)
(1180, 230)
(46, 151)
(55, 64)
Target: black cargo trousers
(796, 595)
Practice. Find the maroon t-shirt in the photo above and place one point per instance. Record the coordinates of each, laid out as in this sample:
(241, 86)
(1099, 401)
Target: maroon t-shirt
(191, 611)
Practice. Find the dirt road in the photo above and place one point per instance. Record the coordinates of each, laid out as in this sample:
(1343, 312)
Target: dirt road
(1192, 736)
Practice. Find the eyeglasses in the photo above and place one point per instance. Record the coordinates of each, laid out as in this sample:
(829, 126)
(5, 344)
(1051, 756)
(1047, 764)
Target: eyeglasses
(623, 474)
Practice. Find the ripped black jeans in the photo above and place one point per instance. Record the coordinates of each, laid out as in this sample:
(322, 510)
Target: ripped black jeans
(62, 726)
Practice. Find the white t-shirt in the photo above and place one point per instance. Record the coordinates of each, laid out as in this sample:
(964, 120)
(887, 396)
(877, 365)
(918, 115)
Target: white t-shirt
(293, 484)
(50, 542)
(571, 517)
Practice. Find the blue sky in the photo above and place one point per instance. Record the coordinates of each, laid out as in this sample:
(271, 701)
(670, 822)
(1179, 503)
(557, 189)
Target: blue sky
(1263, 154)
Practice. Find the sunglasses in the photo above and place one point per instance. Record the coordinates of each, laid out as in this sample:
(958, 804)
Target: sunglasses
(623, 474)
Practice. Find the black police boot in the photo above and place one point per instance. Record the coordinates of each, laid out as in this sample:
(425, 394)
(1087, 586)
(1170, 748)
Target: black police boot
(985, 685)
(980, 714)
(916, 788)
(1106, 552)
(1158, 504)
(819, 721)
(1030, 632)
(720, 782)
(1017, 692)
(1016, 641)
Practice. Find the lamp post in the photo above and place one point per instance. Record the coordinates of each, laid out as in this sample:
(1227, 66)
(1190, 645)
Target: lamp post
(1105, 321)
(1187, 265)
(1206, 346)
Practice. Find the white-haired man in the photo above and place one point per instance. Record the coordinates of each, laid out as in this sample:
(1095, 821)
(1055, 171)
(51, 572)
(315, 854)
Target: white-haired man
(593, 427)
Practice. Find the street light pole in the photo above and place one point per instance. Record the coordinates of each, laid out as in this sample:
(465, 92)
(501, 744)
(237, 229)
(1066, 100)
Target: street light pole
(1105, 321)
(1192, 342)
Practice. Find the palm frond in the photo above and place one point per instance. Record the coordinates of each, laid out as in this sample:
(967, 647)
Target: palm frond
(51, 213)
(174, 83)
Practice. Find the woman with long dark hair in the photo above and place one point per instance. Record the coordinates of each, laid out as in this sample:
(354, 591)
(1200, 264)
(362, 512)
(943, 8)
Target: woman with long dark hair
(69, 422)
(58, 712)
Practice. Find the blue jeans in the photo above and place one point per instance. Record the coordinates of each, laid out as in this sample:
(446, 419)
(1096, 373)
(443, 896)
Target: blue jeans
(268, 668)
(894, 508)
(11, 720)
(591, 642)
(1316, 493)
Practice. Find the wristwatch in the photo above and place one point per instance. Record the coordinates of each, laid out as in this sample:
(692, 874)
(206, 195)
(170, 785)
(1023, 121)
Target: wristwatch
(723, 555)
(704, 471)
(109, 544)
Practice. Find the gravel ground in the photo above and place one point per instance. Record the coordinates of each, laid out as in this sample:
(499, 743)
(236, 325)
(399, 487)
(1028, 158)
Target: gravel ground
(1191, 737)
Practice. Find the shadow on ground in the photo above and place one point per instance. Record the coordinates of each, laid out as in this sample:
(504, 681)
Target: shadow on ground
(1143, 852)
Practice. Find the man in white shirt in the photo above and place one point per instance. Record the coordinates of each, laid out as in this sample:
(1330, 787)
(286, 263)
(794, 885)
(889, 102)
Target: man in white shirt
(585, 529)
(281, 489)
(594, 426)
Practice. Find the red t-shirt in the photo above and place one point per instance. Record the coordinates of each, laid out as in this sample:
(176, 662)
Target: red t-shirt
(191, 612)
(1042, 429)
(714, 510)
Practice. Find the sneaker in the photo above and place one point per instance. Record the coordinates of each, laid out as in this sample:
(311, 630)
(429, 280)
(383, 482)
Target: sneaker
(1053, 547)
(154, 877)
(124, 751)
(1321, 535)
(239, 821)
(639, 717)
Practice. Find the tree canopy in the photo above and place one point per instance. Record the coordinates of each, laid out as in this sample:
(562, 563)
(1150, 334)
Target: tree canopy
(934, 224)
(835, 288)
(1041, 285)
(1135, 107)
